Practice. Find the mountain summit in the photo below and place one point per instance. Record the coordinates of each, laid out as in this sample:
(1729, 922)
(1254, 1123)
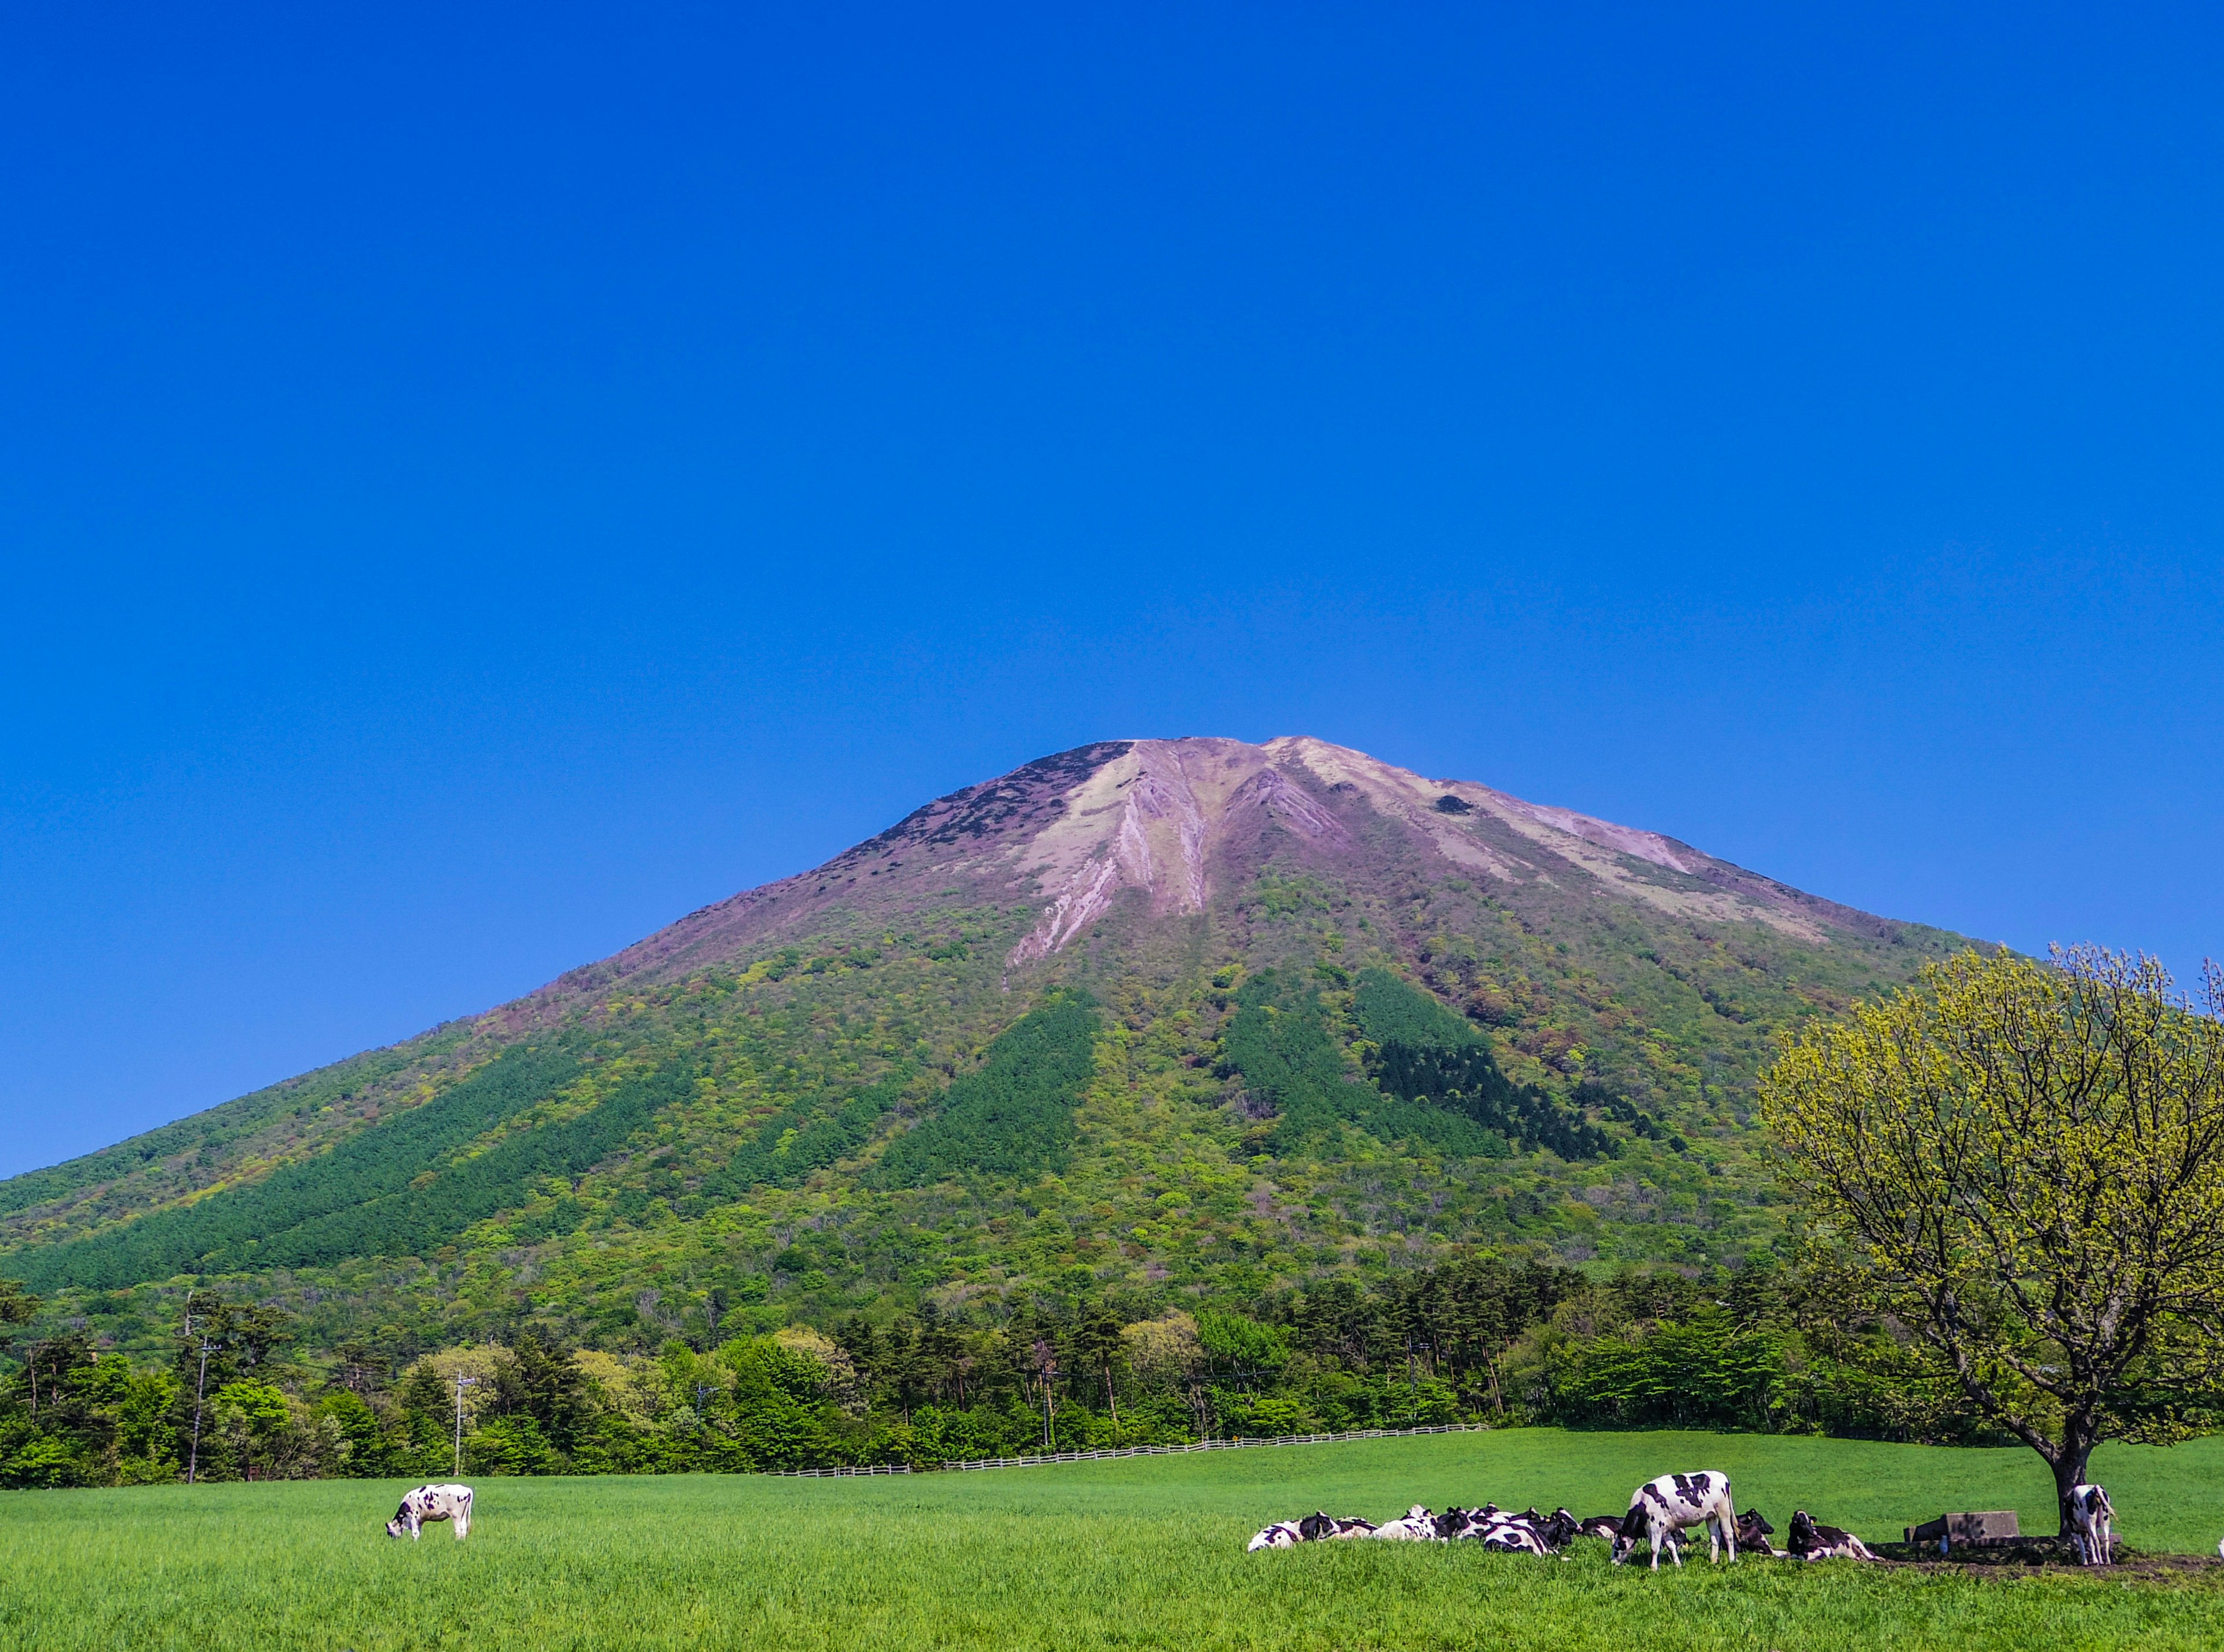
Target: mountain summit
(1150, 1016)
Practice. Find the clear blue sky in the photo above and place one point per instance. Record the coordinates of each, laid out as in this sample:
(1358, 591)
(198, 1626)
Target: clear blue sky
(478, 483)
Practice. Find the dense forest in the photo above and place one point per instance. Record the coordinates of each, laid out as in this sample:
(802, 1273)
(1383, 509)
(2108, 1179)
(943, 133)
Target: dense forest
(1481, 1339)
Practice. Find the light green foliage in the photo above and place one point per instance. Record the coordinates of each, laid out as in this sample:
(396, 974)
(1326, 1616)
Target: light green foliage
(2025, 1162)
(1144, 1553)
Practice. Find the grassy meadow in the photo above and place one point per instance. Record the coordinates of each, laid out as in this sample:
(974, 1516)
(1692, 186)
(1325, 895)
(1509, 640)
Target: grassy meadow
(1141, 1553)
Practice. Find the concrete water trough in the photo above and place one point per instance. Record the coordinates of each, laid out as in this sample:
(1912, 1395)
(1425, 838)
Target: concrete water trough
(1993, 1528)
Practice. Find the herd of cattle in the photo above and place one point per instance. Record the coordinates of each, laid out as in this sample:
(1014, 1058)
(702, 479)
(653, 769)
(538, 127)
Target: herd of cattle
(1660, 1511)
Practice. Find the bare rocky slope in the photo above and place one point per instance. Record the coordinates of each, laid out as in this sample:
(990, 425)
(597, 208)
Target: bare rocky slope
(1332, 1016)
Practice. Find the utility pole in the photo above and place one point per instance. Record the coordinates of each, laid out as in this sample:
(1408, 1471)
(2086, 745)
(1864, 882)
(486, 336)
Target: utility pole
(201, 1388)
(462, 1383)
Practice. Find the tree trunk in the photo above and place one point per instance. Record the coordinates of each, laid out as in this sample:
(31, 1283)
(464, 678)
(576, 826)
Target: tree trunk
(2069, 1470)
(2074, 1453)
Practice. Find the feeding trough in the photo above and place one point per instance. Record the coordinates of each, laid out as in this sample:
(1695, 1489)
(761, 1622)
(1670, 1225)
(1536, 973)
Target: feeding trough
(1996, 1528)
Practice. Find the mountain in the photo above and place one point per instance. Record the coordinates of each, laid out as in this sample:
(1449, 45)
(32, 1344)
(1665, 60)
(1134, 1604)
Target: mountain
(1145, 1019)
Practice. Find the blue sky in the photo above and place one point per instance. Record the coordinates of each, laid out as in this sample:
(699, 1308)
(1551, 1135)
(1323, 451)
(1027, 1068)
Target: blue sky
(476, 486)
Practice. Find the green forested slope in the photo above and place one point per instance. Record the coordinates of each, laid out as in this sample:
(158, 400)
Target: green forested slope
(851, 1094)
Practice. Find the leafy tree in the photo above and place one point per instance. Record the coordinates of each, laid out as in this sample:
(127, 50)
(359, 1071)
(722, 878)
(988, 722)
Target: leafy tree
(1097, 1347)
(2024, 1163)
(17, 1307)
(543, 1382)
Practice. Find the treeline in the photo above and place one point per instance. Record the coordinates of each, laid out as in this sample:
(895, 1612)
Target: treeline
(1480, 1338)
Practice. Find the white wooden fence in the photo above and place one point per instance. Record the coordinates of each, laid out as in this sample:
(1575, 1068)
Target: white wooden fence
(1237, 1443)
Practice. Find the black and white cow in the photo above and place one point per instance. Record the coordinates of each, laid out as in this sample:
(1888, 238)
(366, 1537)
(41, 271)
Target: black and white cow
(1676, 1503)
(1510, 1537)
(2092, 1526)
(1752, 1534)
(1809, 1540)
(1606, 1526)
(452, 1503)
(1315, 1528)
(1417, 1526)
(1525, 1534)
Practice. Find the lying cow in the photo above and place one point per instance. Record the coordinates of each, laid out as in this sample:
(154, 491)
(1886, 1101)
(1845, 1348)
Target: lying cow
(1660, 1509)
(1417, 1526)
(1752, 1534)
(1316, 1528)
(1810, 1540)
(1606, 1526)
(2092, 1526)
(433, 1503)
(1526, 1534)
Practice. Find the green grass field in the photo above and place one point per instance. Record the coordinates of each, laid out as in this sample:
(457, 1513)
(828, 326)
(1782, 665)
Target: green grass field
(1142, 1553)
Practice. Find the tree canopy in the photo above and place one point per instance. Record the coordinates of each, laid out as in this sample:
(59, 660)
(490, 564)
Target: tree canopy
(2023, 1162)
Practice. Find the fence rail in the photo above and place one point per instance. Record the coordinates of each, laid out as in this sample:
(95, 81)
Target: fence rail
(1240, 1443)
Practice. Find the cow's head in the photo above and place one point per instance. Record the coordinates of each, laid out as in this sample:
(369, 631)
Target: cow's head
(396, 1528)
(1803, 1535)
(1451, 1523)
(1752, 1527)
(1314, 1527)
(1559, 1528)
(1634, 1530)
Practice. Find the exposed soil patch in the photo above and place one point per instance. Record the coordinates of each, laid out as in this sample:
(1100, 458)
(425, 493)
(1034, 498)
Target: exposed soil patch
(2048, 1557)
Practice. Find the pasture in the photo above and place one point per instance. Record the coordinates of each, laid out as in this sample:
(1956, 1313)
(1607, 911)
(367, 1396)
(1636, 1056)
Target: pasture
(1144, 1553)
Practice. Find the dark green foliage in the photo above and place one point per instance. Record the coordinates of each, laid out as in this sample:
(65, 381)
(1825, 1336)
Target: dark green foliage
(1705, 1371)
(219, 1126)
(1279, 1040)
(421, 1218)
(807, 1136)
(1426, 1053)
(542, 1384)
(1442, 1089)
(1390, 1011)
(278, 1218)
(1013, 1115)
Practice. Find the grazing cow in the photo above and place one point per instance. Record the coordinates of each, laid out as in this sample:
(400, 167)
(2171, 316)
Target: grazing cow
(2092, 1526)
(1417, 1526)
(433, 1503)
(1810, 1540)
(1752, 1534)
(1676, 1503)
